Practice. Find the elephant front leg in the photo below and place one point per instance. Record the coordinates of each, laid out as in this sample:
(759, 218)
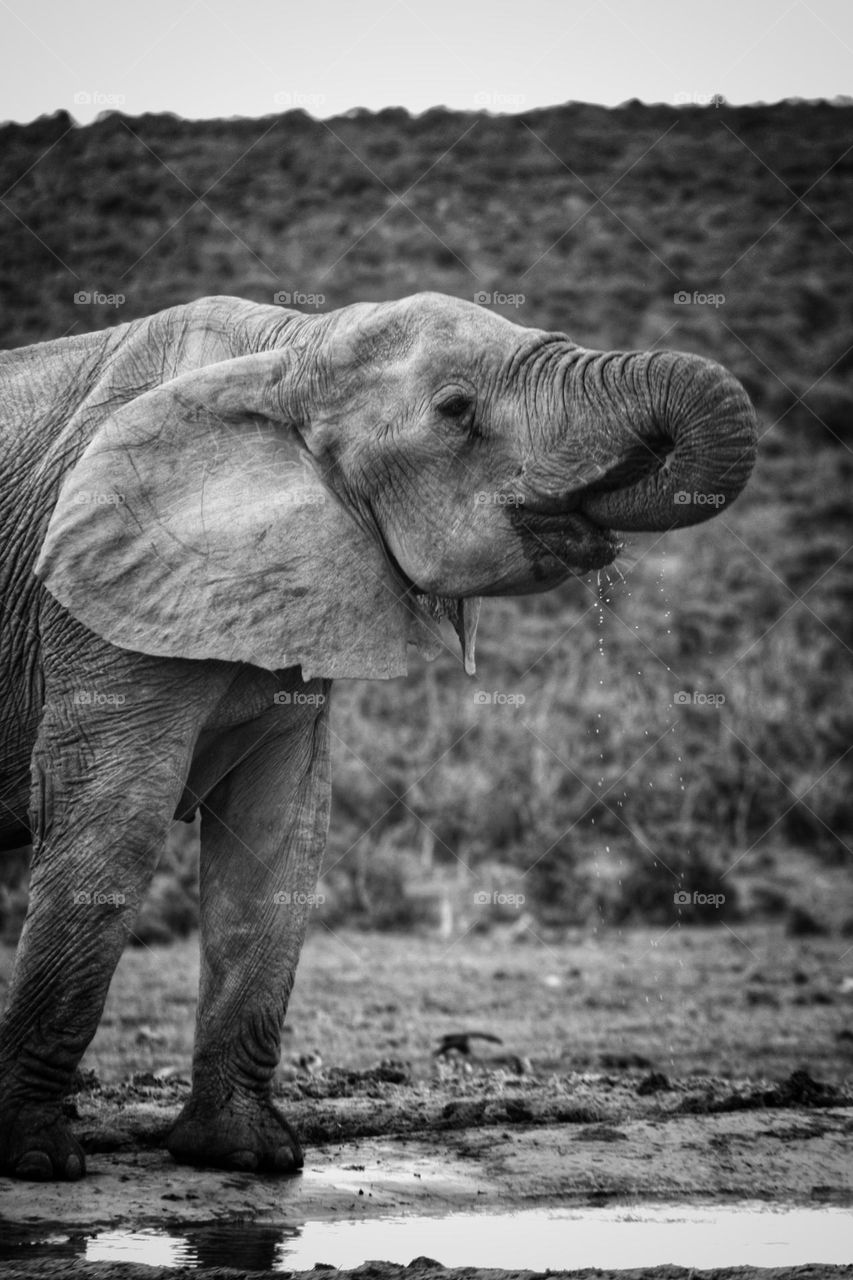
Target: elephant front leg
(263, 834)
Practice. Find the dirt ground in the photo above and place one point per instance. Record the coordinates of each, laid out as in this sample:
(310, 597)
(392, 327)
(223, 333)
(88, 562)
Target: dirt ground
(689, 1066)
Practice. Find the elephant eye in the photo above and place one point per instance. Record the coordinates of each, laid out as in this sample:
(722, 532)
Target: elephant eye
(455, 405)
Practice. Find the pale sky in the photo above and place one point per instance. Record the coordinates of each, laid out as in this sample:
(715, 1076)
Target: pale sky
(202, 58)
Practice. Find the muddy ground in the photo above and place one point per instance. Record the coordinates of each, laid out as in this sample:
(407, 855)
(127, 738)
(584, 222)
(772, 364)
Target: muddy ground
(594, 1095)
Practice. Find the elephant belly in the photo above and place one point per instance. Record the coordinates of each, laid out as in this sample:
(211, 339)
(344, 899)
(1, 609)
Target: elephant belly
(216, 753)
(255, 705)
(16, 746)
(14, 808)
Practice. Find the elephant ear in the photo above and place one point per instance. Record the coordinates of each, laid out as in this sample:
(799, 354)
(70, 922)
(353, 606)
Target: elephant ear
(195, 525)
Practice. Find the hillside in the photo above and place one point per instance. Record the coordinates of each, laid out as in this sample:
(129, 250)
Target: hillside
(725, 231)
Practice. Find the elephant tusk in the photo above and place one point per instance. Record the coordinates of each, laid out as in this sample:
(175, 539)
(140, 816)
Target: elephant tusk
(465, 625)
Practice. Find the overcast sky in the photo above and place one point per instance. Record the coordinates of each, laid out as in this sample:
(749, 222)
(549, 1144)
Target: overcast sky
(221, 58)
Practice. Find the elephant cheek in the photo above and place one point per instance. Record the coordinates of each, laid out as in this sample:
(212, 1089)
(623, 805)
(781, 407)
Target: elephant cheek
(525, 567)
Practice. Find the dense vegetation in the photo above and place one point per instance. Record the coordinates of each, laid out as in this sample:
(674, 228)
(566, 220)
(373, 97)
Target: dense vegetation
(726, 231)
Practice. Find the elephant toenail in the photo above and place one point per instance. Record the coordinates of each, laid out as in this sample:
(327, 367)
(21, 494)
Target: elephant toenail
(35, 1166)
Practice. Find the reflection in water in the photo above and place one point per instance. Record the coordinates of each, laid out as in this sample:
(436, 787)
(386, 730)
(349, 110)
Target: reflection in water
(248, 1246)
(757, 1235)
(20, 1242)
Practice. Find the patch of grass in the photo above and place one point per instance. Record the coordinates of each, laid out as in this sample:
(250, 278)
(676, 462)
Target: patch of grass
(680, 999)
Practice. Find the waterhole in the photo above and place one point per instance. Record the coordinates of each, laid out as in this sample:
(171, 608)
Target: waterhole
(747, 1234)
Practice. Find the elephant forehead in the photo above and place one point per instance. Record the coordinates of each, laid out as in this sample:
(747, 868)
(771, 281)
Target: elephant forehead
(471, 350)
(429, 336)
(435, 319)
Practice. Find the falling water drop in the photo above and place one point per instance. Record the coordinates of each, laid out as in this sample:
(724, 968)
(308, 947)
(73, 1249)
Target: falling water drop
(603, 599)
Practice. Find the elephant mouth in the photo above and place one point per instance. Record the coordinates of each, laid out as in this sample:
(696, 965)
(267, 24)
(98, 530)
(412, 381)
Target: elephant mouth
(555, 545)
(563, 543)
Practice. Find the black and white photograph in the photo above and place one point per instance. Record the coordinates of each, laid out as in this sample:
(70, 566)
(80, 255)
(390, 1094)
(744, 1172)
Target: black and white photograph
(426, 640)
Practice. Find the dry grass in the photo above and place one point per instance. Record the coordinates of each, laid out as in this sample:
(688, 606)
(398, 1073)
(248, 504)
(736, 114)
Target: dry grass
(706, 1001)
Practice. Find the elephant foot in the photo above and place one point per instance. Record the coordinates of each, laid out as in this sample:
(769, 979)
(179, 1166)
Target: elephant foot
(248, 1134)
(38, 1146)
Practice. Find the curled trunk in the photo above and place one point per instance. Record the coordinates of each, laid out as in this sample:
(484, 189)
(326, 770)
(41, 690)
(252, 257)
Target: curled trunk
(647, 440)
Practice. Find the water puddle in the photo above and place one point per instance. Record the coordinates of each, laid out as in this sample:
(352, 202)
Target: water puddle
(752, 1234)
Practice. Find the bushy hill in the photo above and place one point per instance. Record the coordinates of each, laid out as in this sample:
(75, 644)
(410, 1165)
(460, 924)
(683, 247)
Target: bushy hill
(726, 231)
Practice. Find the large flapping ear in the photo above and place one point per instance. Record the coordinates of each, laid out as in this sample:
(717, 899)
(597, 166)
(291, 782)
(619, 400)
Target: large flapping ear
(194, 525)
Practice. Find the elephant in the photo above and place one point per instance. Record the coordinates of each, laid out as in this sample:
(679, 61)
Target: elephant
(209, 515)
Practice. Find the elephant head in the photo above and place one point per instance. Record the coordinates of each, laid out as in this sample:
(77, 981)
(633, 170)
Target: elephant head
(353, 476)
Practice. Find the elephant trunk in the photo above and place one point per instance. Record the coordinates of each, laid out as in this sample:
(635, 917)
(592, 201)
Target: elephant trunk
(645, 440)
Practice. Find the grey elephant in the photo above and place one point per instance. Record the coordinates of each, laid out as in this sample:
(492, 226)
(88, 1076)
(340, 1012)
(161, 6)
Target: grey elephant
(209, 515)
